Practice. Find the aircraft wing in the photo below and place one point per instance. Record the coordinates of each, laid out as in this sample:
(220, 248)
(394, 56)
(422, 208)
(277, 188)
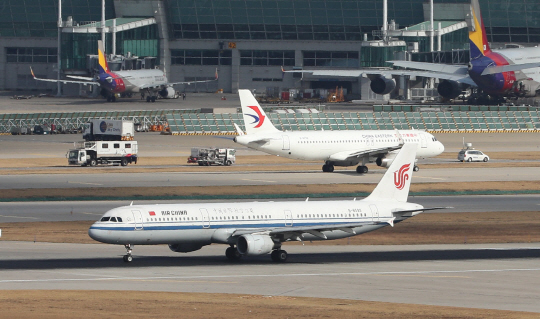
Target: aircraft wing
(509, 68)
(342, 156)
(88, 81)
(428, 70)
(295, 232)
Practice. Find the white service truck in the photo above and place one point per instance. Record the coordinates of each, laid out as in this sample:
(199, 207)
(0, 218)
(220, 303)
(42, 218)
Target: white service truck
(92, 153)
(205, 156)
(108, 130)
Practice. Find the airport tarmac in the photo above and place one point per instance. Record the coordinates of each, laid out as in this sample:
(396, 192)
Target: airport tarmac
(490, 276)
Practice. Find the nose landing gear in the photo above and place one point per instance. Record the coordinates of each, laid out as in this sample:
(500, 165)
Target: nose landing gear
(128, 257)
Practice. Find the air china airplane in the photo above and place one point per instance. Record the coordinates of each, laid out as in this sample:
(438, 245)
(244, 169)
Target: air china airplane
(259, 228)
(496, 73)
(149, 82)
(335, 148)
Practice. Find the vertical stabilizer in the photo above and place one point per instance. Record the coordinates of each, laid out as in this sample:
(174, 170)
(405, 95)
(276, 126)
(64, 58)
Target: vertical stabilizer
(103, 66)
(255, 120)
(478, 42)
(395, 184)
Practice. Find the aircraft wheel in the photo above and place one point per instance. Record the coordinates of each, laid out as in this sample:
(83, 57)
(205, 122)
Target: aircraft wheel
(148, 99)
(128, 258)
(416, 168)
(279, 255)
(153, 99)
(232, 253)
(113, 98)
(325, 168)
(362, 169)
(108, 98)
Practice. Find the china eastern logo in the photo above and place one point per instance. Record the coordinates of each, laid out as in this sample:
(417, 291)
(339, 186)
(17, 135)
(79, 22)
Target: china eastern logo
(259, 118)
(103, 126)
(401, 176)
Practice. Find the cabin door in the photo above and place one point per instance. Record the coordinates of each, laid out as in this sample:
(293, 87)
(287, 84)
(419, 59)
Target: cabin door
(205, 218)
(374, 213)
(137, 216)
(288, 218)
(286, 143)
(423, 141)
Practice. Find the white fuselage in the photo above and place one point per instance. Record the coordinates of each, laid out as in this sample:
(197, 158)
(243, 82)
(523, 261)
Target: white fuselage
(335, 145)
(522, 56)
(203, 224)
(135, 79)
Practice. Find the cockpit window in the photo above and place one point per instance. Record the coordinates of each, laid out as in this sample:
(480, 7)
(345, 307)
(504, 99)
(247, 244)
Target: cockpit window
(119, 219)
(113, 219)
(105, 219)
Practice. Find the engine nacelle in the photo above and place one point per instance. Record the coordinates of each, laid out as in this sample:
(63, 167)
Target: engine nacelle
(185, 248)
(255, 244)
(449, 89)
(168, 93)
(384, 162)
(382, 85)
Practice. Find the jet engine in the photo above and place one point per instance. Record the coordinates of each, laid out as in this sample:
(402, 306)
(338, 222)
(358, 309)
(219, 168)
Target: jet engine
(185, 248)
(384, 161)
(168, 93)
(255, 244)
(382, 85)
(449, 89)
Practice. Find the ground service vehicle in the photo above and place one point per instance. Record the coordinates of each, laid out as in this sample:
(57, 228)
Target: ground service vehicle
(212, 156)
(92, 153)
(108, 130)
(471, 155)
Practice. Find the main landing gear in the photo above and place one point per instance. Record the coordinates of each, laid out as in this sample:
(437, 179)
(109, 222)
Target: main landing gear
(416, 168)
(128, 257)
(151, 98)
(362, 169)
(277, 255)
(328, 168)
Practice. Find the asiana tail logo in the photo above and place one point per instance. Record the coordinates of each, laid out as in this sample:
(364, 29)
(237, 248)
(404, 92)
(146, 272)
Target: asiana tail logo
(401, 176)
(257, 119)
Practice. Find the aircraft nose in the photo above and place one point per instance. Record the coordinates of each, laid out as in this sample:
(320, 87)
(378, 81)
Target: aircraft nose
(441, 147)
(94, 233)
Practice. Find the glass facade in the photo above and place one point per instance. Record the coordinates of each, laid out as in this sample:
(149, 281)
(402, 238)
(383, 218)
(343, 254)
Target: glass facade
(201, 57)
(31, 55)
(38, 18)
(259, 57)
(333, 59)
(517, 21)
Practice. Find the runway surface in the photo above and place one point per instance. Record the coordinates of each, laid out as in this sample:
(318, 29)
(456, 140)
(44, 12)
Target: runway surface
(502, 276)
(223, 178)
(92, 210)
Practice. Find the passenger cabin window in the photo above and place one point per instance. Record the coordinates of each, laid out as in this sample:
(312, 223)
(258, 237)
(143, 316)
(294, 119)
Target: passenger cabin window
(105, 219)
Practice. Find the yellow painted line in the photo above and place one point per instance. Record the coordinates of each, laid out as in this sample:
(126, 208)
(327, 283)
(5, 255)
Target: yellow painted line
(18, 217)
(85, 183)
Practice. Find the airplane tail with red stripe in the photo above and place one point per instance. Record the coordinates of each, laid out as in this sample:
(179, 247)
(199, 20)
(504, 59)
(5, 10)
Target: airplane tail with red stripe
(478, 42)
(255, 120)
(102, 60)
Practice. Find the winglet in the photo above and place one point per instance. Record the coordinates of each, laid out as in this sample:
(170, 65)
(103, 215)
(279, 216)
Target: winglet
(216, 75)
(32, 71)
(400, 138)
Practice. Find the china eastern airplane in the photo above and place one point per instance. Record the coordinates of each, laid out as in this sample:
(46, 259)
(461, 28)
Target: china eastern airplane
(149, 82)
(259, 228)
(496, 73)
(335, 148)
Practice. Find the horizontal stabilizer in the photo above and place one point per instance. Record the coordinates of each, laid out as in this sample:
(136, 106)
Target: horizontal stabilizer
(509, 68)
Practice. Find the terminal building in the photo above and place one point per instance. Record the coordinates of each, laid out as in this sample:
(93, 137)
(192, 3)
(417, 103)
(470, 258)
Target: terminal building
(246, 40)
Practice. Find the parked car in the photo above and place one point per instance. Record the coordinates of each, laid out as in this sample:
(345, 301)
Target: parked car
(472, 155)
